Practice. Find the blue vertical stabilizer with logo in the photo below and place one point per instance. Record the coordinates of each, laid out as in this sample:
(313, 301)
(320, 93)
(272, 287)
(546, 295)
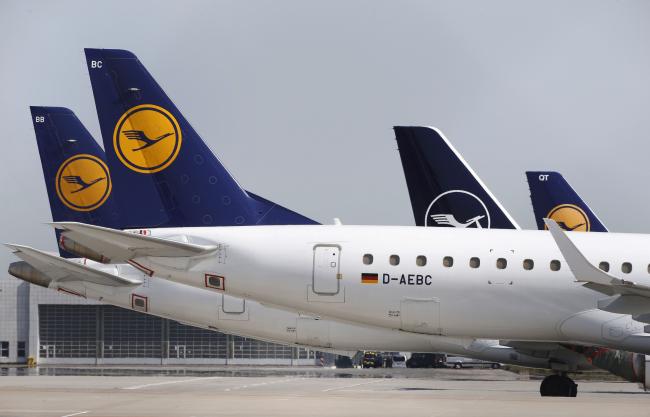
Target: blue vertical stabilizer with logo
(443, 188)
(151, 146)
(67, 150)
(553, 197)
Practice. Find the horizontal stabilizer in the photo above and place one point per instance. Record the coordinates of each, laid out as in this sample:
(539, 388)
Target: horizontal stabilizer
(61, 269)
(585, 271)
(119, 246)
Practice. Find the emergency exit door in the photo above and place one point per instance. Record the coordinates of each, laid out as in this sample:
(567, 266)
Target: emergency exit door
(326, 272)
(421, 315)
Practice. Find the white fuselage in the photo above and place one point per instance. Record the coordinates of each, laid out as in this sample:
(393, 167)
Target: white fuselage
(289, 266)
(218, 311)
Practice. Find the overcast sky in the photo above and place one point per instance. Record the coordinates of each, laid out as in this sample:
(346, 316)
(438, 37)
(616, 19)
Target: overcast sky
(297, 98)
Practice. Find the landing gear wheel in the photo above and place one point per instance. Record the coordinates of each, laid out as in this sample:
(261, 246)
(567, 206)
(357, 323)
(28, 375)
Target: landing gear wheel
(558, 386)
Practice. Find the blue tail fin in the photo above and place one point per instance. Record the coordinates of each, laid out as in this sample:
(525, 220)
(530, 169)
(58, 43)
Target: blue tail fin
(150, 146)
(443, 188)
(77, 179)
(552, 197)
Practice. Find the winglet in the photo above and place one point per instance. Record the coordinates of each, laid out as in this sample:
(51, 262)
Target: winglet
(582, 269)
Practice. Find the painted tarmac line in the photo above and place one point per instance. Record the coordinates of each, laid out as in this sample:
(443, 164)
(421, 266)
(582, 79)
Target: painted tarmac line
(30, 411)
(183, 381)
(352, 385)
(77, 414)
(260, 384)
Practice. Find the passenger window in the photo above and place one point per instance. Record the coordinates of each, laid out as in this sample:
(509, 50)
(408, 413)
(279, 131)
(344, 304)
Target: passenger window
(139, 302)
(448, 261)
(502, 263)
(394, 260)
(367, 259)
(421, 260)
(604, 266)
(474, 262)
(555, 265)
(529, 264)
(626, 267)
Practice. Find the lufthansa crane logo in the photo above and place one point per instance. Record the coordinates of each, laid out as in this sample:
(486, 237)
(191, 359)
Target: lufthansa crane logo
(147, 138)
(83, 182)
(441, 211)
(570, 217)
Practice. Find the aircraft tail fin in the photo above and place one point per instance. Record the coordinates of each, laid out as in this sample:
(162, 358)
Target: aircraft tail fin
(443, 188)
(77, 179)
(150, 145)
(552, 197)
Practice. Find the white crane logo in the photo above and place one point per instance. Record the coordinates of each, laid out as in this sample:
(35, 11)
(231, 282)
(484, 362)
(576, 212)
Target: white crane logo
(448, 219)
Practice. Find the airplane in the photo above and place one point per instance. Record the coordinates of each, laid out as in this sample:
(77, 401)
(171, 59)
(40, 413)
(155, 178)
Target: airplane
(465, 195)
(166, 299)
(130, 89)
(553, 197)
(575, 309)
(209, 310)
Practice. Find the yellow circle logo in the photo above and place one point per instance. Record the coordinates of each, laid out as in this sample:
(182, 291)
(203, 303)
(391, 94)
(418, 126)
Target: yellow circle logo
(83, 182)
(147, 138)
(570, 217)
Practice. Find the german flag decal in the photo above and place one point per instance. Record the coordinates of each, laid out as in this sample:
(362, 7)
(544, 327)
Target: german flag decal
(369, 278)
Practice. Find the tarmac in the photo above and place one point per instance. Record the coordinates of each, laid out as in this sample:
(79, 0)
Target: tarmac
(259, 391)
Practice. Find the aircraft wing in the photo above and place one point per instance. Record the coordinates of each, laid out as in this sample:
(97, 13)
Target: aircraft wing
(61, 269)
(119, 246)
(585, 271)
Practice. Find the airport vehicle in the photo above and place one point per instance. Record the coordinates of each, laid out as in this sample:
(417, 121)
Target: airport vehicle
(399, 361)
(372, 360)
(426, 360)
(458, 362)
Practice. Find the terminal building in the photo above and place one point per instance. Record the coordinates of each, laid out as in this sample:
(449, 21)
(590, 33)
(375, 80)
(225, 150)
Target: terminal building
(55, 328)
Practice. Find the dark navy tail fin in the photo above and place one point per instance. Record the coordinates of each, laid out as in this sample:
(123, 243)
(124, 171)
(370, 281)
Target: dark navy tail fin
(77, 179)
(552, 197)
(443, 188)
(151, 146)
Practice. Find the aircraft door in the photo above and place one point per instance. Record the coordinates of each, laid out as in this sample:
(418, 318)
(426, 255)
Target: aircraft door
(232, 304)
(326, 272)
(421, 315)
(232, 308)
(313, 332)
